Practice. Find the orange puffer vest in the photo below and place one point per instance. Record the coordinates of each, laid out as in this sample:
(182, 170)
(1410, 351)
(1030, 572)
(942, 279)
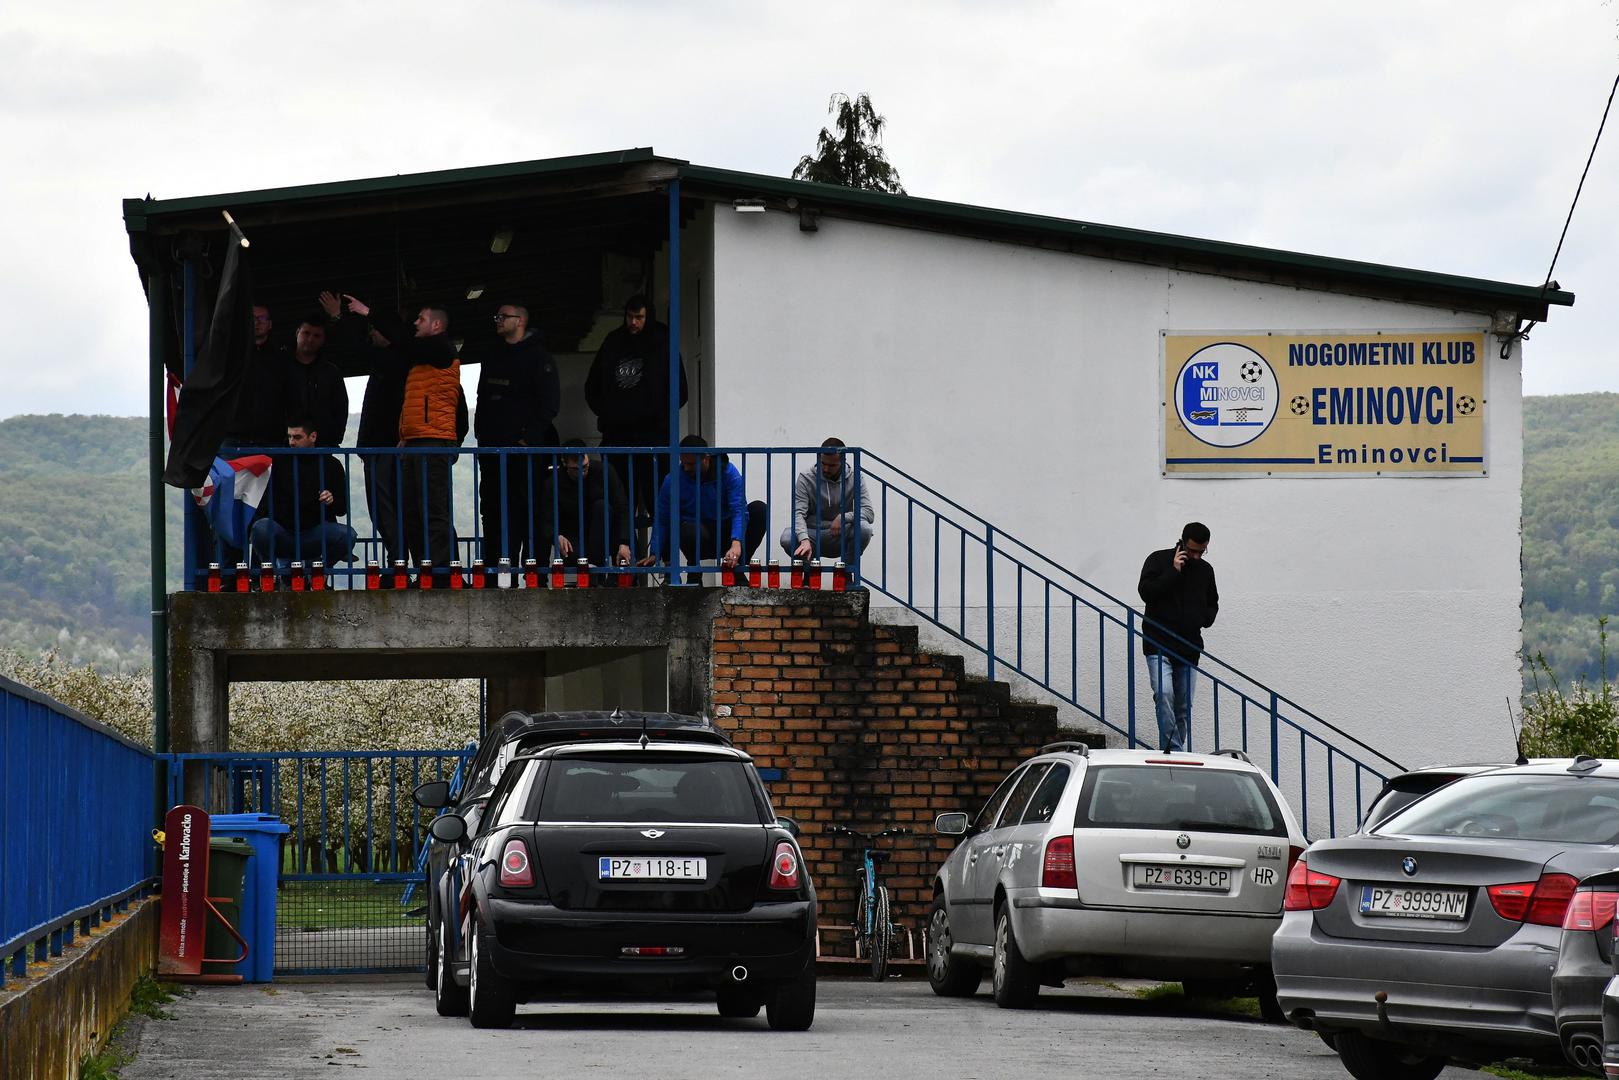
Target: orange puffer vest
(430, 397)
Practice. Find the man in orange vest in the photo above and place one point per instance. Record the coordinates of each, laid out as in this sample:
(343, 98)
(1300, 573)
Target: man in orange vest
(427, 420)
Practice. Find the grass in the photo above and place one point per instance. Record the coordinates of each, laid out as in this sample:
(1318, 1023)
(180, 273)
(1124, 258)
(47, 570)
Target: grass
(1508, 1071)
(147, 1000)
(343, 905)
(1247, 1007)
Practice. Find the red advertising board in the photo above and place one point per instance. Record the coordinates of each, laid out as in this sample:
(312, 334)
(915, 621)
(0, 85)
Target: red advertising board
(185, 884)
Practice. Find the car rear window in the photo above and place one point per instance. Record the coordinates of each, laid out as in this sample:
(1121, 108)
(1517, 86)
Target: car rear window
(649, 787)
(1563, 808)
(1192, 798)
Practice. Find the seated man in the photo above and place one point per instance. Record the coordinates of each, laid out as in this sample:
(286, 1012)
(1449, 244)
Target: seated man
(832, 517)
(307, 496)
(717, 523)
(590, 512)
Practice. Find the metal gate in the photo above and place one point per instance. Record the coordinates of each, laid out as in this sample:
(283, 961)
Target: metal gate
(349, 898)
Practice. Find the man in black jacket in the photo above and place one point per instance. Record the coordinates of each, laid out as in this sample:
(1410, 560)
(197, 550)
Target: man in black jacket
(518, 397)
(1177, 585)
(379, 429)
(308, 494)
(628, 390)
(260, 416)
(314, 385)
(592, 512)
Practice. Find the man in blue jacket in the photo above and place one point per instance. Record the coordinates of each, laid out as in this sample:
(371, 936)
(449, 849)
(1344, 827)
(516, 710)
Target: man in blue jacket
(716, 522)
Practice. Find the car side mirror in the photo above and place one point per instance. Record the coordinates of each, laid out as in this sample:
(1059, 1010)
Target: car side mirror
(433, 795)
(950, 824)
(789, 824)
(448, 828)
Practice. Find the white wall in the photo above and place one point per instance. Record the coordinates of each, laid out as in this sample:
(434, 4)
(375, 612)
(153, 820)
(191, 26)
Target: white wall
(1026, 384)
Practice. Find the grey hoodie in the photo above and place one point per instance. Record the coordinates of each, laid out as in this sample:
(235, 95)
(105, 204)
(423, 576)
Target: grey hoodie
(817, 500)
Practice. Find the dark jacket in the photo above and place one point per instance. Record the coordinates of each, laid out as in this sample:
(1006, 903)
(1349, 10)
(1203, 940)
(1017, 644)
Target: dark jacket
(1180, 601)
(628, 387)
(312, 474)
(384, 396)
(602, 490)
(317, 389)
(518, 394)
(260, 417)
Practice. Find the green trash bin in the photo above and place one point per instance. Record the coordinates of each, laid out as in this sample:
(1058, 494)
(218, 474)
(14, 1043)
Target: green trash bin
(227, 873)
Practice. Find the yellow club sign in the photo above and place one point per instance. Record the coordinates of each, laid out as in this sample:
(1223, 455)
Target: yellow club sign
(1368, 403)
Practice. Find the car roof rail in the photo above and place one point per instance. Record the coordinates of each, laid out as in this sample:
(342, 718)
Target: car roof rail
(1232, 752)
(1584, 763)
(1082, 749)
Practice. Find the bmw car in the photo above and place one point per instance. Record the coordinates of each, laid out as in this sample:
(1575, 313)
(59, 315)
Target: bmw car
(1132, 862)
(653, 866)
(1434, 935)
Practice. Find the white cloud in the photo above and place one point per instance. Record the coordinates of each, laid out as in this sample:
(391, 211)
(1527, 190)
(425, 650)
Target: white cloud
(1436, 135)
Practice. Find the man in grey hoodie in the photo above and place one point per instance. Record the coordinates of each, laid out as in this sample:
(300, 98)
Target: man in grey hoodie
(832, 517)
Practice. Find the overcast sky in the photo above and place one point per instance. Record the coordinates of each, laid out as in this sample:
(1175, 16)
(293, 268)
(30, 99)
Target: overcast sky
(1443, 136)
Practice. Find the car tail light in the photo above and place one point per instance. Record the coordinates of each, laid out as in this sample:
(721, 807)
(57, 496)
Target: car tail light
(1294, 854)
(1058, 870)
(514, 868)
(1542, 902)
(1308, 890)
(784, 868)
(1591, 910)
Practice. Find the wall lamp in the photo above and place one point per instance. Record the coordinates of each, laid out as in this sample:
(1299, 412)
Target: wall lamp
(474, 291)
(500, 241)
(748, 206)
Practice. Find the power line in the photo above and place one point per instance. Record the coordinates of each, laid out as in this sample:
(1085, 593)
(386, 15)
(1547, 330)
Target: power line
(1581, 187)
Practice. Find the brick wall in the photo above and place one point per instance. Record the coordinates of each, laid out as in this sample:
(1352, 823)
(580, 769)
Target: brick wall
(868, 731)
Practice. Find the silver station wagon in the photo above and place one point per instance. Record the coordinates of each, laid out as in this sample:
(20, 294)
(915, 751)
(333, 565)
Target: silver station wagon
(1124, 862)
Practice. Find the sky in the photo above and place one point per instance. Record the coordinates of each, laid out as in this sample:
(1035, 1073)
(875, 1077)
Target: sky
(1445, 136)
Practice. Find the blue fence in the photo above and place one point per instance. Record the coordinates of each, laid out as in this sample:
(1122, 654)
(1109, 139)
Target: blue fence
(71, 852)
(1031, 620)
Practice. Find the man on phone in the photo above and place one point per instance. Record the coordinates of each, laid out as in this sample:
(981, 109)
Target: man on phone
(1177, 585)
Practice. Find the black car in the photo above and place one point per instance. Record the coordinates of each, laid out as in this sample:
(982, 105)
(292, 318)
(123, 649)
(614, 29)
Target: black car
(515, 733)
(654, 866)
(1584, 967)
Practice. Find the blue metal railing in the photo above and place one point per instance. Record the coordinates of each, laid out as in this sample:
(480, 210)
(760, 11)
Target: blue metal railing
(1049, 628)
(1029, 617)
(349, 812)
(71, 852)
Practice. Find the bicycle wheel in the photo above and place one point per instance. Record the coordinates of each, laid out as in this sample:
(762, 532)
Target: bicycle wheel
(882, 936)
(862, 940)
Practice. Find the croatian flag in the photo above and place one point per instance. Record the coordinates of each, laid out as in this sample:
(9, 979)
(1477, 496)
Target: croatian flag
(231, 495)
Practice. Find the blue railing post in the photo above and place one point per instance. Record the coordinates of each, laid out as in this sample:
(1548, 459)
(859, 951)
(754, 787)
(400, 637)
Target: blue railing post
(1275, 740)
(672, 534)
(1130, 677)
(989, 596)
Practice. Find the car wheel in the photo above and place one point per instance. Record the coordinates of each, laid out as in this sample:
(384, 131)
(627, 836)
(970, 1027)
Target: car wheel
(1372, 1059)
(490, 1000)
(792, 1006)
(950, 976)
(882, 935)
(448, 998)
(1013, 978)
(737, 1003)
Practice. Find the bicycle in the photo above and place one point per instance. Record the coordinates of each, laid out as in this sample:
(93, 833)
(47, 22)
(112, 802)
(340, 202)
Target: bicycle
(873, 925)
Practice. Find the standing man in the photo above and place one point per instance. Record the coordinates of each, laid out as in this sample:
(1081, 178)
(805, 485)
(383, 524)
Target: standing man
(1177, 585)
(628, 390)
(314, 385)
(518, 397)
(308, 494)
(427, 420)
(831, 514)
(379, 429)
(260, 417)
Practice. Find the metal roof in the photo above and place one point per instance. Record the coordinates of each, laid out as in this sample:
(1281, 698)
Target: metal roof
(641, 168)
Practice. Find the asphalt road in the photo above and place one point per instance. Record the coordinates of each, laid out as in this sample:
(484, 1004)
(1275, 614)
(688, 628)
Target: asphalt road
(896, 1031)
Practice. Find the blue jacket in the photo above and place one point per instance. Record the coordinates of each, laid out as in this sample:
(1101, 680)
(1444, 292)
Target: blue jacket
(718, 498)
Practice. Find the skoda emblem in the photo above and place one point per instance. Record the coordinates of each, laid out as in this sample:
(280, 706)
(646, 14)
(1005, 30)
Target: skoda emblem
(1409, 865)
(653, 834)
(1183, 841)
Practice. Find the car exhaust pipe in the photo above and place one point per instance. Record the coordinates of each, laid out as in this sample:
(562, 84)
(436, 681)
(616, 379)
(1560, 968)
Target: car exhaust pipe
(739, 974)
(1585, 1051)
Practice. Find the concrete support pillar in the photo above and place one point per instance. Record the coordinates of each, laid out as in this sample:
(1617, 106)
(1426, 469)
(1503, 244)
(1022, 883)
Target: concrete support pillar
(524, 692)
(688, 675)
(199, 718)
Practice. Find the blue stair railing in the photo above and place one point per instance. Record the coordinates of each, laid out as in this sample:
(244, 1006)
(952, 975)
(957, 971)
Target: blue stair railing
(1043, 627)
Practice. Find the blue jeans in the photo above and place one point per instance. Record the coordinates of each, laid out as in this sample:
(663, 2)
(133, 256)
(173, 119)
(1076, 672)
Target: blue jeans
(1171, 679)
(332, 543)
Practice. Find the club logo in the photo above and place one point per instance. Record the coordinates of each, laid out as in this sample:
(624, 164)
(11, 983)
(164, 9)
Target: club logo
(1409, 865)
(1183, 841)
(1226, 395)
(651, 834)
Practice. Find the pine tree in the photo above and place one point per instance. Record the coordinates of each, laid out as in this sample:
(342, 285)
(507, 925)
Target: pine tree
(853, 155)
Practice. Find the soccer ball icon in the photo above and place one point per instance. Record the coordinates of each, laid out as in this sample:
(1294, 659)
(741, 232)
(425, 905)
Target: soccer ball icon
(1252, 371)
(1301, 405)
(1466, 405)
